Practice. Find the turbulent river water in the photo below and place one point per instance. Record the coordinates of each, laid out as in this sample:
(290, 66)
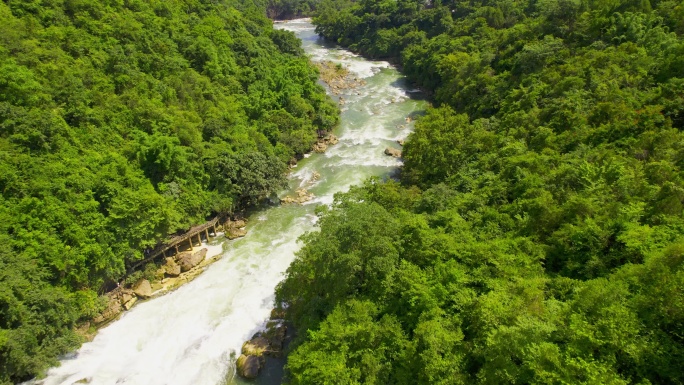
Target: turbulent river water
(192, 335)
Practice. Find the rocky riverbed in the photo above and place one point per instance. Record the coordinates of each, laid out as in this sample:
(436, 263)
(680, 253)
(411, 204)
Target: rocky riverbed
(172, 273)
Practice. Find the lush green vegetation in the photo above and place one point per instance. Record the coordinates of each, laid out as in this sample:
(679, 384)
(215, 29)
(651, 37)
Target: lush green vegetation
(122, 122)
(537, 235)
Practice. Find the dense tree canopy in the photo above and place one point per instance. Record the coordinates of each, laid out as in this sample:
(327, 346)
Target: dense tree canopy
(288, 9)
(537, 235)
(122, 122)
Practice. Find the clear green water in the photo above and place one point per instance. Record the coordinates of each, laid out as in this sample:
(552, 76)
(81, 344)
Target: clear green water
(192, 335)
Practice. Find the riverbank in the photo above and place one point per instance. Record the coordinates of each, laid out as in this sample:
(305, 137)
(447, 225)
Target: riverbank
(194, 333)
(163, 277)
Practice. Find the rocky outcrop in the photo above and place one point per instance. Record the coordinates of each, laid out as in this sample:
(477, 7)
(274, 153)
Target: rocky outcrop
(189, 260)
(129, 304)
(257, 346)
(118, 300)
(393, 152)
(235, 229)
(236, 233)
(331, 140)
(319, 147)
(323, 143)
(249, 366)
(171, 268)
(269, 342)
(301, 196)
(338, 77)
(143, 289)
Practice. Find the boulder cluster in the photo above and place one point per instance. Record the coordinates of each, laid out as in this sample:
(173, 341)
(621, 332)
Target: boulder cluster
(266, 343)
(322, 144)
(301, 196)
(178, 268)
(183, 262)
(123, 299)
(338, 77)
(235, 229)
(395, 152)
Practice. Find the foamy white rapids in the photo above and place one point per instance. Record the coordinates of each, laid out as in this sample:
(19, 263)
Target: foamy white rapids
(192, 336)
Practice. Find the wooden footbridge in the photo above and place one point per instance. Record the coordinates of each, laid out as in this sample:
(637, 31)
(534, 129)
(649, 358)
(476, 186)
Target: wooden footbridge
(177, 241)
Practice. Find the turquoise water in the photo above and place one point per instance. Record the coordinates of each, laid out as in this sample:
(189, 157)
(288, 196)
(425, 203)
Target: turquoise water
(193, 335)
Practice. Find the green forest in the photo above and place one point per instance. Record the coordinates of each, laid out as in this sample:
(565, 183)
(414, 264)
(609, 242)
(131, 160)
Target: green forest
(289, 9)
(124, 121)
(536, 235)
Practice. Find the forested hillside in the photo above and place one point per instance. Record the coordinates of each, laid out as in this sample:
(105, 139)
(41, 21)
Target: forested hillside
(288, 9)
(122, 122)
(537, 234)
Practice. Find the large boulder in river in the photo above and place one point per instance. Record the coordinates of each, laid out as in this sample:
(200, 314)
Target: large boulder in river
(393, 152)
(238, 224)
(249, 366)
(235, 229)
(143, 289)
(257, 346)
(188, 261)
(234, 233)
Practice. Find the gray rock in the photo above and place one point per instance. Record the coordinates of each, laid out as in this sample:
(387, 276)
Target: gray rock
(393, 152)
(257, 346)
(248, 366)
(188, 261)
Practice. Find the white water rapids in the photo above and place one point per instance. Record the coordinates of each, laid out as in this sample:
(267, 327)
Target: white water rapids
(192, 335)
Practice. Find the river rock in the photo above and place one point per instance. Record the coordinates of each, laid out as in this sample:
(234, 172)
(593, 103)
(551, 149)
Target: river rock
(234, 229)
(301, 196)
(257, 346)
(234, 233)
(126, 296)
(143, 289)
(320, 147)
(171, 268)
(331, 140)
(401, 142)
(393, 152)
(129, 304)
(249, 366)
(188, 261)
(238, 224)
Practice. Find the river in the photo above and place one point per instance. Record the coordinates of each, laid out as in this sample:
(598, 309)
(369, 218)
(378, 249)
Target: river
(192, 335)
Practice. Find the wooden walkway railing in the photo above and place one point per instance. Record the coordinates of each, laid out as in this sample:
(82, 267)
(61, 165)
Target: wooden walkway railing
(178, 240)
